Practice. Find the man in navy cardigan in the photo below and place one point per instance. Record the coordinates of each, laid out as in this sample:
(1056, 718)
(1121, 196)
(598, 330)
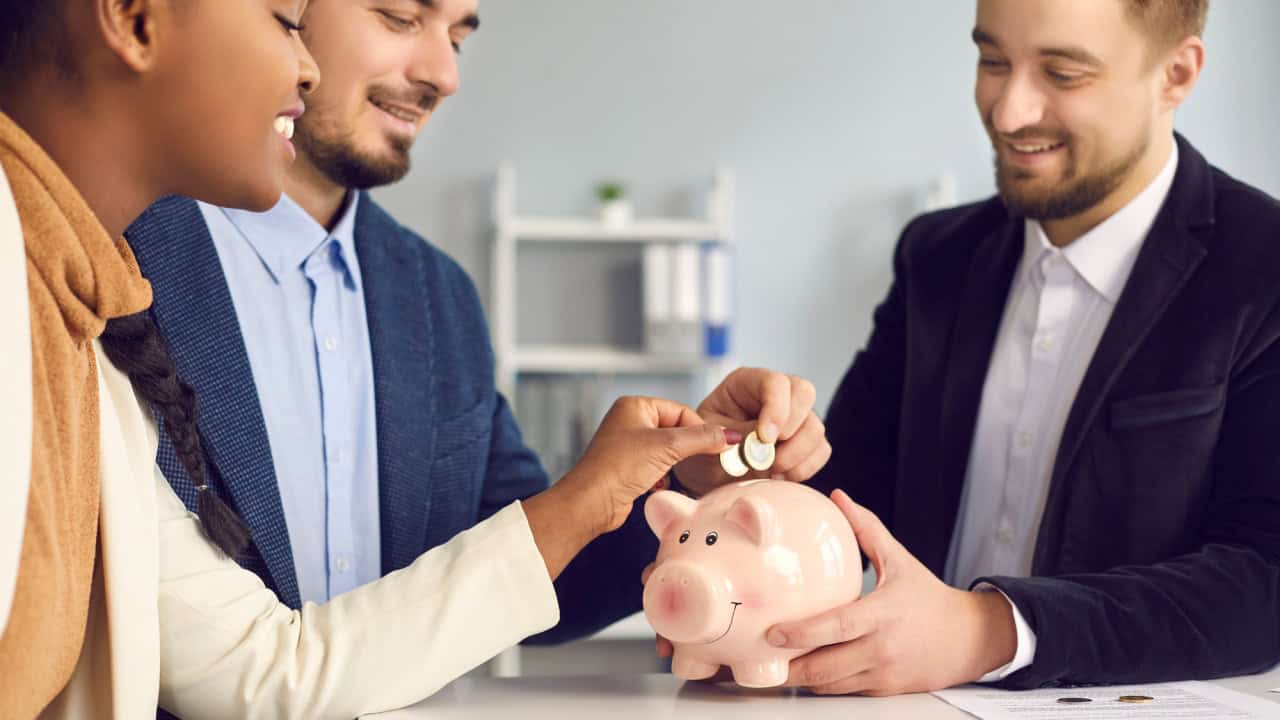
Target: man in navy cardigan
(348, 408)
(1062, 429)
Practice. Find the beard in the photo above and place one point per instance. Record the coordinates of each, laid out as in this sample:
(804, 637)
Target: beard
(1073, 194)
(334, 153)
(332, 148)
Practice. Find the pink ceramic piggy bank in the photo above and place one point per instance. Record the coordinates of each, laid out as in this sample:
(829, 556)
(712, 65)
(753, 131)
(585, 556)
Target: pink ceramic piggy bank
(738, 561)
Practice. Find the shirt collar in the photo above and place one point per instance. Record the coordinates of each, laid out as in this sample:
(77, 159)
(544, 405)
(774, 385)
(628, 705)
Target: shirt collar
(285, 236)
(1105, 255)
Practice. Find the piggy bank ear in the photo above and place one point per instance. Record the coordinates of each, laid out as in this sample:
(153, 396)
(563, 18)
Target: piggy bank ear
(755, 518)
(665, 507)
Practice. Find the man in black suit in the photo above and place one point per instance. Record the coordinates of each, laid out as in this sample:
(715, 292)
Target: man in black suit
(1061, 431)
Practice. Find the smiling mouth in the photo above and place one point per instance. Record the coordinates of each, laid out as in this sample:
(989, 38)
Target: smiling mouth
(397, 112)
(1035, 148)
(732, 615)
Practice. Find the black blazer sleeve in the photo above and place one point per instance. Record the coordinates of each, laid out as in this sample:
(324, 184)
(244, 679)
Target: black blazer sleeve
(1212, 612)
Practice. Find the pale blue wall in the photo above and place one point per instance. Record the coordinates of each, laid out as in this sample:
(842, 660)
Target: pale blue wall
(834, 114)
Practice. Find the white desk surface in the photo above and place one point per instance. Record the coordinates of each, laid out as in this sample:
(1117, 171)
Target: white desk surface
(654, 697)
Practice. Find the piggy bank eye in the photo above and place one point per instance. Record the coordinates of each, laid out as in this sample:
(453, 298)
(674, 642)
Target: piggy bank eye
(712, 537)
(684, 536)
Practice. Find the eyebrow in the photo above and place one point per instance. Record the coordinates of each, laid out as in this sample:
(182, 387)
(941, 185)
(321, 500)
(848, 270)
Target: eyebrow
(982, 37)
(1074, 54)
(471, 21)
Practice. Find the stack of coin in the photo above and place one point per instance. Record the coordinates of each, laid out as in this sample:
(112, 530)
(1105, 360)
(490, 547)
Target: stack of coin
(751, 454)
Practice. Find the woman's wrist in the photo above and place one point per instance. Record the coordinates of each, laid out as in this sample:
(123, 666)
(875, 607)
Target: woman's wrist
(564, 519)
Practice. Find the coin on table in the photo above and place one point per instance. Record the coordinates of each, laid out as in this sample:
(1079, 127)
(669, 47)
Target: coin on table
(1073, 700)
(1136, 699)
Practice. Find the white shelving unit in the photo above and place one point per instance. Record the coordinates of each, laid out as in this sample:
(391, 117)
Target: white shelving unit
(512, 231)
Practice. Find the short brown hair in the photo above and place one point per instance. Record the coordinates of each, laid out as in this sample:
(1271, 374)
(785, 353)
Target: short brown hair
(1168, 22)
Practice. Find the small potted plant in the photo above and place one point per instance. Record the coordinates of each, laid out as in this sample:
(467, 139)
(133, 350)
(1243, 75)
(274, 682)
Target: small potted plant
(615, 209)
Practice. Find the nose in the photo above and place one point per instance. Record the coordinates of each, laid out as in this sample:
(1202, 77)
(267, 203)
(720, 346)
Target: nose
(1019, 105)
(685, 603)
(308, 71)
(436, 63)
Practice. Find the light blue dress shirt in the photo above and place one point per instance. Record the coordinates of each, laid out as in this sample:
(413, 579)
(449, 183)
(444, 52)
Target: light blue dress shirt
(300, 301)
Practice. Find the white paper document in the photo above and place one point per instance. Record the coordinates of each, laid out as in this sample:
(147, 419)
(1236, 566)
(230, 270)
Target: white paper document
(1165, 701)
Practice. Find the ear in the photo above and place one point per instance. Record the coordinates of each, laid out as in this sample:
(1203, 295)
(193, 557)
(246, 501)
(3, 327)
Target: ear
(665, 507)
(1181, 71)
(128, 28)
(756, 518)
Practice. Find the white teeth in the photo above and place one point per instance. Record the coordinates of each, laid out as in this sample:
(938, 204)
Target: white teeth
(1036, 148)
(284, 126)
(397, 113)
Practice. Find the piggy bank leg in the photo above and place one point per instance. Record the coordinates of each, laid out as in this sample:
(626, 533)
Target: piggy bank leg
(684, 665)
(761, 673)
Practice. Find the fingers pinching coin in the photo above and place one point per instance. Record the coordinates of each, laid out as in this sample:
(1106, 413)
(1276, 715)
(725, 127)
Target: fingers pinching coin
(751, 454)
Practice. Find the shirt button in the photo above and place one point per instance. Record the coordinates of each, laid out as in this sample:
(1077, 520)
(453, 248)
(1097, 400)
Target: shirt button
(331, 343)
(1045, 344)
(1024, 440)
(1005, 534)
(343, 565)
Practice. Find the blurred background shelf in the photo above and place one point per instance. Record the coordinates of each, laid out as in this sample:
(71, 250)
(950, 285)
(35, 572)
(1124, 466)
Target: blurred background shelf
(571, 229)
(603, 359)
(561, 390)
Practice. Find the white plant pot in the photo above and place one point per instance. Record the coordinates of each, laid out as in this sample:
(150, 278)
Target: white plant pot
(615, 213)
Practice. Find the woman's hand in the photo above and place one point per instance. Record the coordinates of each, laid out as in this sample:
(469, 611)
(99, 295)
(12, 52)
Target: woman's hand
(638, 442)
(636, 445)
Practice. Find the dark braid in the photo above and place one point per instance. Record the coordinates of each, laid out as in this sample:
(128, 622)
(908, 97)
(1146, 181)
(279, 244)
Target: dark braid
(133, 344)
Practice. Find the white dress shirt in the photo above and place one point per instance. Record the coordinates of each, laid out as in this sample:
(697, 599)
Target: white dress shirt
(1059, 305)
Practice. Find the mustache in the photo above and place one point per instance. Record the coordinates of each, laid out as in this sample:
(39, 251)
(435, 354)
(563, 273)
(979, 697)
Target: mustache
(425, 98)
(1025, 134)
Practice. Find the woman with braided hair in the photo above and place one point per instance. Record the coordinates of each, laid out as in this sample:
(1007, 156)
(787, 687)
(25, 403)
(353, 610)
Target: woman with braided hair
(113, 598)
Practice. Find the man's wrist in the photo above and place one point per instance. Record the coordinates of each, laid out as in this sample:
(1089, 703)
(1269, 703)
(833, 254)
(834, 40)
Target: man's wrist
(997, 635)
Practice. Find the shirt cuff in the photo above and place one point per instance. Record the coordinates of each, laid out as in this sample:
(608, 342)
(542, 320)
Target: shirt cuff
(1026, 648)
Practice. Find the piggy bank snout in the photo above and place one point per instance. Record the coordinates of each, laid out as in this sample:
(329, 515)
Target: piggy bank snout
(686, 603)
